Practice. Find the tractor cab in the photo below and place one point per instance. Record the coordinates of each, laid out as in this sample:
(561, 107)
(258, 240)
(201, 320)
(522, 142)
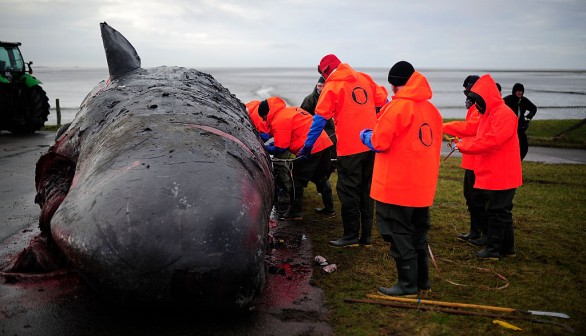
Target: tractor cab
(11, 60)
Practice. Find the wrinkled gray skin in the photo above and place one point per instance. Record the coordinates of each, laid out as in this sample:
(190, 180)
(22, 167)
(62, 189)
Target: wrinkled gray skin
(172, 188)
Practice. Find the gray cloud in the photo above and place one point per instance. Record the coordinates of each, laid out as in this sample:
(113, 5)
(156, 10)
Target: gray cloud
(498, 34)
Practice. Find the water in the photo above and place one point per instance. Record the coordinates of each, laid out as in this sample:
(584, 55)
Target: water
(557, 94)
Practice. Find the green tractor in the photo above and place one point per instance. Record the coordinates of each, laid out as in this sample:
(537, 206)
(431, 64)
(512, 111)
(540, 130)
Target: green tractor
(24, 105)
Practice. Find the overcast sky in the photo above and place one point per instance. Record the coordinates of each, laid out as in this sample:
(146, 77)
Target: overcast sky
(493, 34)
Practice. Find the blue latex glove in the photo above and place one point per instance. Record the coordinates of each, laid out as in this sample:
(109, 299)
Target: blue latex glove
(365, 136)
(272, 149)
(317, 126)
(264, 136)
(304, 153)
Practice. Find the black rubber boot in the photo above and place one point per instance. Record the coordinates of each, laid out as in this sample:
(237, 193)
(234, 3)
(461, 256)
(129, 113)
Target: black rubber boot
(476, 214)
(328, 200)
(295, 211)
(366, 234)
(423, 271)
(508, 248)
(494, 240)
(477, 242)
(366, 222)
(345, 242)
(407, 279)
(350, 237)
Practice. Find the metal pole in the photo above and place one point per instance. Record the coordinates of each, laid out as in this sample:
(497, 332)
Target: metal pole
(466, 305)
(459, 312)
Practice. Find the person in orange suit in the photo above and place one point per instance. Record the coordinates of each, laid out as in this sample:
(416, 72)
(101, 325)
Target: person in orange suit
(351, 98)
(497, 166)
(281, 171)
(309, 104)
(477, 234)
(289, 127)
(260, 125)
(407, 139)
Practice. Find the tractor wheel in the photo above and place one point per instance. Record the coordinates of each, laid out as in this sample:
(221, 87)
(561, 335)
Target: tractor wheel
(30, 111)
(38, 108)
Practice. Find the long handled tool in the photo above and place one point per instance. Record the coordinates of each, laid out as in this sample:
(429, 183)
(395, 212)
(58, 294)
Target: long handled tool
(459, 312)
(467, 305)
(452, 147)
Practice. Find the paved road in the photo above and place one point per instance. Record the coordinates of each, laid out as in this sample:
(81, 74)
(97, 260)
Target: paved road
(64, 305)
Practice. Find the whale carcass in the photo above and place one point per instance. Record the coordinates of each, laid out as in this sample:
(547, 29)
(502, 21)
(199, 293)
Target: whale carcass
(160, 189)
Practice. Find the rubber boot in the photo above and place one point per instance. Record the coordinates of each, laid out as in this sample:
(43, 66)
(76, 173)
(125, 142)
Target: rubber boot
(475, 225)
(407, 279)
(350, 237)
(366, 233)
(482, 224)
(494, 240)
(295, 212)
(366, 222)
(423, 271)
(328, 200)
(508, 248)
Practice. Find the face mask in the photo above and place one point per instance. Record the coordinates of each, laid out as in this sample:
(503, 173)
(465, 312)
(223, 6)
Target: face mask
(480, 103)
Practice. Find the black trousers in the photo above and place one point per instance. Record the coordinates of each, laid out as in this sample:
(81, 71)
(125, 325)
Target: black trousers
(472, 195)
(499, 204)
(405, 228)
(523, 143)
(499, 214)
(354, 179)
(316, 168)
(475, 203)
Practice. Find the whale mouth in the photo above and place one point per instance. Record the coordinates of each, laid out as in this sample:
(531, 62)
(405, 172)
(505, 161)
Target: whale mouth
(53, 178)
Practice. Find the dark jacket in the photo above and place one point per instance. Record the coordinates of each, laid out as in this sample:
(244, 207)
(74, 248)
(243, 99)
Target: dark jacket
(521, 106)
(310, 101)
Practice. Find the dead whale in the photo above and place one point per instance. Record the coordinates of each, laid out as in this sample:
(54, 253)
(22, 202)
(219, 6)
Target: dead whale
(160, 189)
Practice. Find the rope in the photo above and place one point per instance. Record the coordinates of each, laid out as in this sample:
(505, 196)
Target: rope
(486, 270)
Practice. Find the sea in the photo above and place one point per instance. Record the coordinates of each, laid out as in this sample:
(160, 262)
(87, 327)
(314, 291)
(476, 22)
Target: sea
(558, 94)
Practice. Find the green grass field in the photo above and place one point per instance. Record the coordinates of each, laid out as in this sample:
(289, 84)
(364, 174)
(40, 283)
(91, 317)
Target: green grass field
(548, 273)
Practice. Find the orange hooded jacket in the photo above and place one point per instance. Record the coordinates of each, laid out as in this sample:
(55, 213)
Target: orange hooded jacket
(464, 129)
(408, 140)
(497, 165)
(290, 125)
(351, 98)
(252, 108)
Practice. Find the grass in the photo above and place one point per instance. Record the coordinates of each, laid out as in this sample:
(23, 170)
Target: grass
(543, 133)
(50, 128)
(548, 273)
